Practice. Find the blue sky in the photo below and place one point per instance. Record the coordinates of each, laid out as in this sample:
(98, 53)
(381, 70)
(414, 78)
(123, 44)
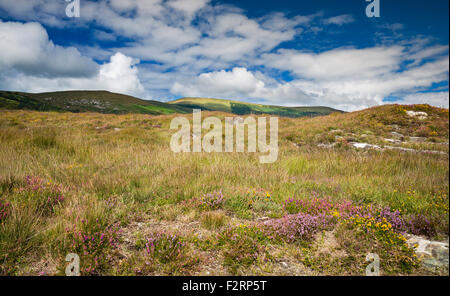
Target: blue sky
(293, 53)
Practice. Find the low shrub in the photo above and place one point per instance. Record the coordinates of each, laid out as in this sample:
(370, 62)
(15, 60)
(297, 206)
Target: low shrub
(170, 252)
(45, 197)
(93, 241)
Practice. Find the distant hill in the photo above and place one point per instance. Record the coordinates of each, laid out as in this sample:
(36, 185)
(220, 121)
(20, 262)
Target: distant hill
(242, 108)
(86, 101)
(108, 102)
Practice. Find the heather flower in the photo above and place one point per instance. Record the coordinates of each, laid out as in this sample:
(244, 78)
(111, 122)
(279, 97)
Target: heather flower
(421, 225)
(4, 210)
(299, 226)
(165, 247)
(45, 195)
(210, 201)
(91, 240)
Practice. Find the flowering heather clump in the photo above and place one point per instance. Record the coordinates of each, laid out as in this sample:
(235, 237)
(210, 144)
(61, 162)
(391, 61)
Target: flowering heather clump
(297, 226)
(4, 210)
(210, 201)
(91, 240)
(165, 247)
(421, 225)
(312, 206)
(45, 195)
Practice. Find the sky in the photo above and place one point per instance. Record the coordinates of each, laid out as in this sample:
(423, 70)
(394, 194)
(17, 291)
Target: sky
(284, 52)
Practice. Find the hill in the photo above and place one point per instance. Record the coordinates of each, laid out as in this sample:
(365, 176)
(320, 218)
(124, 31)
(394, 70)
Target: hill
(114, 103)
(241, 108)
(85, 101)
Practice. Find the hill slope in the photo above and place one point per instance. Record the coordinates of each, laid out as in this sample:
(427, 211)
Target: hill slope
(85, 101)
(241, 108)
(107, 102)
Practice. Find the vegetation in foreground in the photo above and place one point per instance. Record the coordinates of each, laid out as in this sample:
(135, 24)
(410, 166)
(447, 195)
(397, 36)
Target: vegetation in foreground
(108, 188)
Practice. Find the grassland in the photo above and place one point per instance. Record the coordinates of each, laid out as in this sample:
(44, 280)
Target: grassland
(108, 188)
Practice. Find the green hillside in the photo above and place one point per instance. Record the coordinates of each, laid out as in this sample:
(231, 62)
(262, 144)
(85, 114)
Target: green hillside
(108, 102)
(86, 101)
(241, 108)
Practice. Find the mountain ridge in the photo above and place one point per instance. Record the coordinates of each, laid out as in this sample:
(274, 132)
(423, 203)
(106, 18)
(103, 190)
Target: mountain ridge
(116, 103)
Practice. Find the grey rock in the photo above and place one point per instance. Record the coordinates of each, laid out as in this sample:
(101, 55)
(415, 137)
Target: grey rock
(417, 139)
(397, 134)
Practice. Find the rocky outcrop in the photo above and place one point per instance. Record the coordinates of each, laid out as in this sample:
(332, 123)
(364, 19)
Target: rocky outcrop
(433, 254)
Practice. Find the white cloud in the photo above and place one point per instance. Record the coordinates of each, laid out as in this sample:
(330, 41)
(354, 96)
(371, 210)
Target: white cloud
(188, 7)
(339, 20)
(188, 58)
(235, 83)
(439, 99)
(27, 48)
(337, 63)
(346, 88)
(119, 75)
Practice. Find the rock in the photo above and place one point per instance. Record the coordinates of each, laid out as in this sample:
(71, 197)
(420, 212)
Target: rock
(419, 115)
(432, 253)
(397, 134)
(326, 145)
(116, 129)
(417, 139)
(284, 264)
(365, 146)
(393, 141)
(415, 151)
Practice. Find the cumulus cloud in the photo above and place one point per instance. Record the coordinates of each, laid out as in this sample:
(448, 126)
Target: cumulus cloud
(118, 75)
(27, 48)
(325, 79)
(204, 48)
(337, 63)
(238, 82)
